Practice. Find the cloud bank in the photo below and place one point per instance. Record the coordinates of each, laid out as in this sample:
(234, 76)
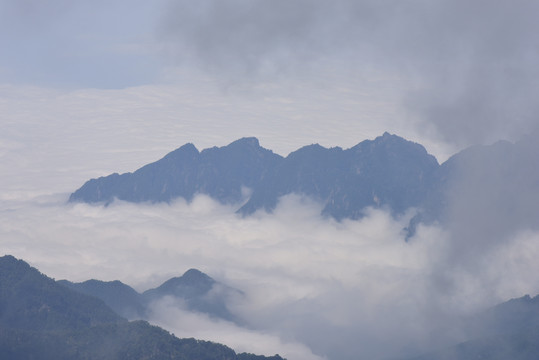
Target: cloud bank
(314, 288)
(294, 72)
(469, 66)
(464, 70)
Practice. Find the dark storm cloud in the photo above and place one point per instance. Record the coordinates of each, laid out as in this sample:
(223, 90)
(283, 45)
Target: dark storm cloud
(472, 64)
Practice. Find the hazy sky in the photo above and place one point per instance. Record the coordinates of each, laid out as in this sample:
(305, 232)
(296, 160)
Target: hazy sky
(91, 88)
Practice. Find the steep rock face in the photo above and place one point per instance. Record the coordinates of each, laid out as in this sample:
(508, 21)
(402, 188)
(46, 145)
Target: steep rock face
(218, 172)
(493, 189)
(496, 184)
(311, 170)
(386, 172)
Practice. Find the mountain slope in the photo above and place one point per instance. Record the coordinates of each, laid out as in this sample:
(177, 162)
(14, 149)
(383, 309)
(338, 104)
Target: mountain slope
(491, 188)
(221, 173)
(136, 340)
(388, 171)
(121, 298)
(194, 290)
(198, 292)
(509, 330)
(42, 319)
(31, 301)
(486, 191)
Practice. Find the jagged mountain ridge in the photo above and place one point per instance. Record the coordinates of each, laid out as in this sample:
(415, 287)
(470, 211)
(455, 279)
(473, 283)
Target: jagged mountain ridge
(53, 322)
(386, 172)
(221, 173)
(43, 319)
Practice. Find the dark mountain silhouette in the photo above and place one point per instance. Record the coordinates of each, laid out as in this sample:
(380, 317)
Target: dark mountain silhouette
(194, 291)
(386, 172)
(42, 319)
(221, 173)
(192, 284)
(507, 331)
(492, 190)
(31, 301)
(121, 298)
(198, 292)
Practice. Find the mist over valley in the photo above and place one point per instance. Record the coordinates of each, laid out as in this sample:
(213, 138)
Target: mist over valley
(319, 180)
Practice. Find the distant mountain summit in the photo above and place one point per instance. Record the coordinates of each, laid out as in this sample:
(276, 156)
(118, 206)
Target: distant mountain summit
(221, 173)
(198, 292)
(388, 171)
(43, 319)
(494, 184)
(194, 290)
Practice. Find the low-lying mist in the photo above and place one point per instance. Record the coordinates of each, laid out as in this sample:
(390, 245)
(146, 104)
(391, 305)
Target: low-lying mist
(314, 288)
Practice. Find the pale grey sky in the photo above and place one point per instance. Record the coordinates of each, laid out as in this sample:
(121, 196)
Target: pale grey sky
(462, 71)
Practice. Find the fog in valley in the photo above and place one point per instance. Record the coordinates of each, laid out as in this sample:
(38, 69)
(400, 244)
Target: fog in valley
(121, 85)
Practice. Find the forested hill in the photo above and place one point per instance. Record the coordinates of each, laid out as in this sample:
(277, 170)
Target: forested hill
(41, 319)
(195, 290)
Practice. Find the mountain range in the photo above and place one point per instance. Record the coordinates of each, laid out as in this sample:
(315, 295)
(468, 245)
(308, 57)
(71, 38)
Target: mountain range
(41, 318)
(388, 172)
(507, 331)
(195, 291)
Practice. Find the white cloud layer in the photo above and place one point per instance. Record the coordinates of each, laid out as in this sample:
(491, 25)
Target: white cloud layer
(314, 287)
(469, 66)
(291, 73)
(168, 314)
(52, 141)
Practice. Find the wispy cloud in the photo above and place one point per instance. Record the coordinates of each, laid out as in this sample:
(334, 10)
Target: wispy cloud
(68, 137)
(469, 66)
(311, 284)
(168, 314)
(291, 73)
